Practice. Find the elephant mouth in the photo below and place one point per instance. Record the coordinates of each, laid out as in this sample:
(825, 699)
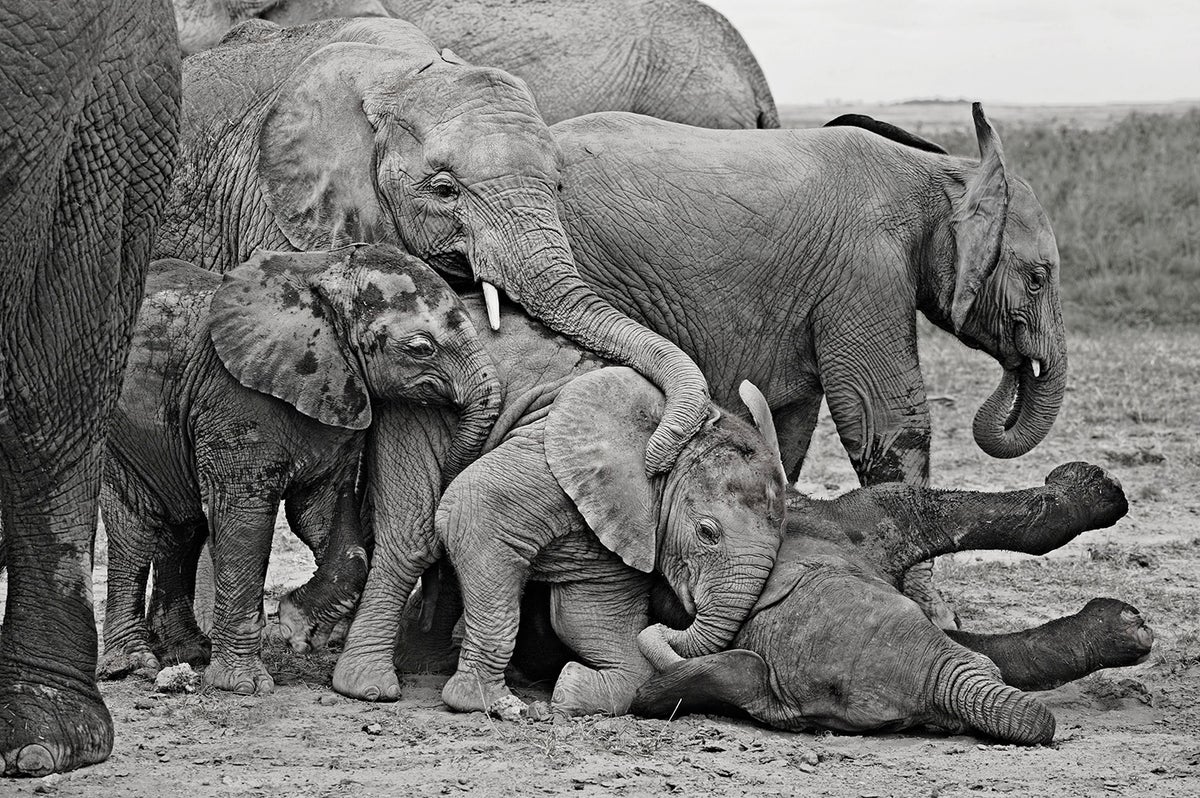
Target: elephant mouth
(684, 593)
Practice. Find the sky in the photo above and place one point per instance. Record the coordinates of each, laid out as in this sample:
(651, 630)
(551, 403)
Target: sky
(1011, 51)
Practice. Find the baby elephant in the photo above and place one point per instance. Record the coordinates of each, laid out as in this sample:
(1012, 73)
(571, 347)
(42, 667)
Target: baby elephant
(565, 499)
(253, 388)
(832, 643)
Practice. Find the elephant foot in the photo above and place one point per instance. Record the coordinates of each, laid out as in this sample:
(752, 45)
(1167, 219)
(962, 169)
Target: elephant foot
(46, 727)
(581, 690)
(466, 692)
(1116, 632)
(299, 628)
(367, 678)
(128, 660)
(194, 649)
(1096, 493)
(246, 677)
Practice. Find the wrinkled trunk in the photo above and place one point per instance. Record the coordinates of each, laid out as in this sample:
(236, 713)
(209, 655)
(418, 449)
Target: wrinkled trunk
(527, 255)
(720, 614)
(480, 410)
(963, 689)
(1022, 409)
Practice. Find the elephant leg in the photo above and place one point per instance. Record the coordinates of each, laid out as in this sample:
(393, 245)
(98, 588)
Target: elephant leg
(131, 541)
(717, 683)
(327, 519)
(540, 655)
(794, 424)
(242, 528)
(600, 620)
(177, 636)
(428, 644)
(1106, 633)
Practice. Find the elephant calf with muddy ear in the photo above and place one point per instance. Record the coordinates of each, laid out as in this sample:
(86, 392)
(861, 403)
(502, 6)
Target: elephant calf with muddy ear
(565, 498)
(257, 387)
(833, 644)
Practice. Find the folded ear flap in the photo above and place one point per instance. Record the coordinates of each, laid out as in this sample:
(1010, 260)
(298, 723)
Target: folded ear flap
(275, 334)
(596, 435)
(978, 220)
(450, 57)
(317, 149)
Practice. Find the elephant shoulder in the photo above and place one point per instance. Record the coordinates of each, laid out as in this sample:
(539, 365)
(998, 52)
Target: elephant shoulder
(174, 308)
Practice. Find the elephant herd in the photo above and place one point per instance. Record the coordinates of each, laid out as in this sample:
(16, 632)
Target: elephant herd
(525, 319)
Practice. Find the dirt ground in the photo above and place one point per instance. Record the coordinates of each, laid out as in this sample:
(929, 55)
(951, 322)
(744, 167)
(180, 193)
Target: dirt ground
(1136, 731)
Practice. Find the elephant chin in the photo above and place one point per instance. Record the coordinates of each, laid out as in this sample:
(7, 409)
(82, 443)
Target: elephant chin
(1020, 412)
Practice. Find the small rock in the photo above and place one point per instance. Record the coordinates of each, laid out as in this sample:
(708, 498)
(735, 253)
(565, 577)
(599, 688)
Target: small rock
(373, 729)
(508, 708)
(144, 703)
(48, 784)
(177, 679)
(328, 700)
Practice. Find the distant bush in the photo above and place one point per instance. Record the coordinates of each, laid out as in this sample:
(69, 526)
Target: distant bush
(1124, 201)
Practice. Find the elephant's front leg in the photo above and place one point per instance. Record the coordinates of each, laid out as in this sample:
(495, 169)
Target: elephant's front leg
(600, 619)
(172, 615)
(242, 528)
(131, 538)
(326, 518)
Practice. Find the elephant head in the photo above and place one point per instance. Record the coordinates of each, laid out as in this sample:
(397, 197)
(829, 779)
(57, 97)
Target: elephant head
(374, 136)
(1005, 298)
(330, 332)
(712, 525)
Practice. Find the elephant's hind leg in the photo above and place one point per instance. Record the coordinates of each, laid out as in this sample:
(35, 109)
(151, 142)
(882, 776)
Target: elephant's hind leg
(131, 538)
(175, 632)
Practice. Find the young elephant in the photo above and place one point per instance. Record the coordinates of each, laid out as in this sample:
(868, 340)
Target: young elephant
(565, 498)
(833, 644)
(258, 387)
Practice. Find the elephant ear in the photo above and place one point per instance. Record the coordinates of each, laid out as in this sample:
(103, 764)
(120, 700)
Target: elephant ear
(317, 149)
(760, 411)
(450, 57)
(596, 435)
(271, 324)
(978, 220)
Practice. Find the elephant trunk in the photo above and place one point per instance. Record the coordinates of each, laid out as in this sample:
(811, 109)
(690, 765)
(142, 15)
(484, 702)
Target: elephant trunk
(532, 261)
(480, 409)
(720, 614)
(965, 690)
(1022, 409)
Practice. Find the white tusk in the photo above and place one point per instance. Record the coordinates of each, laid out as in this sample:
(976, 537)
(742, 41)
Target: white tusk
(491, 298)
(1037, 367)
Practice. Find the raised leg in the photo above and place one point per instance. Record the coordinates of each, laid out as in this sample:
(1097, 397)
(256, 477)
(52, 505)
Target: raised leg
(1106, 633)
(242, 528)
(327, 519)
(600, 620)
(177, 635)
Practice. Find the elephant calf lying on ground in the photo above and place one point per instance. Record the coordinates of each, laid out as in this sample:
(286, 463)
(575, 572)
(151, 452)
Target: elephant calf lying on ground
(254, 388)
(833, 644)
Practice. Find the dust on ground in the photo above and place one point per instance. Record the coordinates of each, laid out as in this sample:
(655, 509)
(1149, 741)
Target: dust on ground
(1134, 731)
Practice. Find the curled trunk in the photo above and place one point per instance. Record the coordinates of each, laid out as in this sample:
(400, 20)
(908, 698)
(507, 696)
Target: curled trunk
(719, 616)
(1022, 409)
(479, 414)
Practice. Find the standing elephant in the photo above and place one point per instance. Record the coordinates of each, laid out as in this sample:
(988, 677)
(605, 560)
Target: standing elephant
(89, 103)
(832, 644)
(565, 498)
(359, 130)
(673, 59)
(254, 388)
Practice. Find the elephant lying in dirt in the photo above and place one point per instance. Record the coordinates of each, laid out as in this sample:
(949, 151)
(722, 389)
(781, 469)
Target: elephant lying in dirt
(833, 644)
(256, 388)
(564, 497)
(674, 59)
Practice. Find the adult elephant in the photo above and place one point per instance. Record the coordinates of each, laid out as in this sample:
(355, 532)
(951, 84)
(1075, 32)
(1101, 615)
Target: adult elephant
(88, 121)
(360, 130)
(673, 59)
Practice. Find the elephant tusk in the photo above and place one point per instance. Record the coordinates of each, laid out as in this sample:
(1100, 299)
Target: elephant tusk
(491, 298)
(1037, 367)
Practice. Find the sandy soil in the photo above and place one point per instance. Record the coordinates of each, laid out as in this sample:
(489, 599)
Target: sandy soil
(1136, 731)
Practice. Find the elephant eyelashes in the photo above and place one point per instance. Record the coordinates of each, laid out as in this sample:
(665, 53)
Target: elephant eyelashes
(443, 187)
(708, 531)
(1037, 281)
(420, 347)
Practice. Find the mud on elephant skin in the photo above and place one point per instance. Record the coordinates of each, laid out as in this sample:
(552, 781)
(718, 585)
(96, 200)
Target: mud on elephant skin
(449, 160)
(832, 644)
(256, 387)
(565, 498)
(89, 107)
(674, 59)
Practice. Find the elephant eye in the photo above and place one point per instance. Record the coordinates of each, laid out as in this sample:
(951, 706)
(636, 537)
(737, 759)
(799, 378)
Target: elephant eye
(1037, 281)
(708, 531)
(443, 187)
(420, 346)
